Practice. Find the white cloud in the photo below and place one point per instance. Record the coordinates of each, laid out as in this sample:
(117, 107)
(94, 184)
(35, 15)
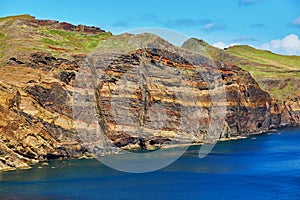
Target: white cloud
(210, 25)
(296, 21)
(213, 26)
(222, 45)
(289, 45)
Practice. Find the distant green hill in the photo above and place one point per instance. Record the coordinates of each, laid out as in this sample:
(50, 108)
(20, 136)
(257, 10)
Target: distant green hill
(277, 74)
(271, 65)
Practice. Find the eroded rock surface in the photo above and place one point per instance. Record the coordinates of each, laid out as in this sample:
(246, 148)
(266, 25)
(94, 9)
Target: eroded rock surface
(41, 128)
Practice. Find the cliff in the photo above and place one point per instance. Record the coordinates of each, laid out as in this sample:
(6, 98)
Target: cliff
(143, 93)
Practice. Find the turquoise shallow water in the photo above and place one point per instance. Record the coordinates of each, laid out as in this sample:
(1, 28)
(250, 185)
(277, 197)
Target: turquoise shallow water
(260, 167)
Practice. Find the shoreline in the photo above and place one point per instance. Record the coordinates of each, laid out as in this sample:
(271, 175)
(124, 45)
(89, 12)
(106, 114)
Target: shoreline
(233, 138)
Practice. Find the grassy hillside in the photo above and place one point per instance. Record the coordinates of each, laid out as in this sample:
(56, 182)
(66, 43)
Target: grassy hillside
(72, 42)
(277, 74)
(271, 65)
(22, 34)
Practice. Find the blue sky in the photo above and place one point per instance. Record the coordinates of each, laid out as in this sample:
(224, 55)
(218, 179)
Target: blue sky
(268, 24)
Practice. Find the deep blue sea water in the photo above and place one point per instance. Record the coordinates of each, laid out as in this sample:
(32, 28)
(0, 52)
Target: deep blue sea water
(259, 167)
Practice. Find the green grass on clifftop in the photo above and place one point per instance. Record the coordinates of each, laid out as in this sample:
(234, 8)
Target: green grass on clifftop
(278, 64)
(71, 41)
(277, 74)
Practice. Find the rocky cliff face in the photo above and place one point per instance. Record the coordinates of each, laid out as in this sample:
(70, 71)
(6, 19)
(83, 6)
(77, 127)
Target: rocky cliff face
(40, 127)
(152, 98)
(140, 91)
(168, 97)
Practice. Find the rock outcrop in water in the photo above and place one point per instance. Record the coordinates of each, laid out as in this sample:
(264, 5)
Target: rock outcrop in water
(148, 95)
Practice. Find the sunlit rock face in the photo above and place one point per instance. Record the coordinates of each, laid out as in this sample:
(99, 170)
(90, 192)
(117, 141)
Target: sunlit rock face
(154, 97)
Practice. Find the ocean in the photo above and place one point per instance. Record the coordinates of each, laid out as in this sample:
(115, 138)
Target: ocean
(259, 167)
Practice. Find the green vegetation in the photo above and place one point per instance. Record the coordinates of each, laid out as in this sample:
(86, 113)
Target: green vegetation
(125, 43)
(71, 41)
(25, 16)
(284, 93)
(10, 19)
(21, 36)
(266, 57)
(2, 36)
(49, 41)
(266, 66)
